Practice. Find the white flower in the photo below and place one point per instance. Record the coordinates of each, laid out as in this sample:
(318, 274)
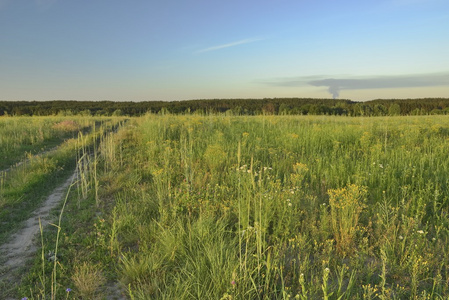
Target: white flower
(400, 237)
(420, 232)
(289, 204)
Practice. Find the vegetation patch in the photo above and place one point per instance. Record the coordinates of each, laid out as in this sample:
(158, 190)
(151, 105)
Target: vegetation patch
(67, 126)
(263, 207)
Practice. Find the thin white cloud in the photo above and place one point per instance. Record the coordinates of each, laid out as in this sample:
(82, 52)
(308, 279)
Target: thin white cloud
(241, 42)
(412, 2)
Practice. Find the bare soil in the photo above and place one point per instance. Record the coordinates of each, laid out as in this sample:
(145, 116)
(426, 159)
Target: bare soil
(21, 247)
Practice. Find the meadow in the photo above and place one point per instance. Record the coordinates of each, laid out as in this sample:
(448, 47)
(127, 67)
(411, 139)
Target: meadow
(261, 207)
(22, 136)
(38, 153)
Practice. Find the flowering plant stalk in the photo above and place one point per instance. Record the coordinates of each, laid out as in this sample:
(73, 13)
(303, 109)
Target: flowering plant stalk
(346, 205)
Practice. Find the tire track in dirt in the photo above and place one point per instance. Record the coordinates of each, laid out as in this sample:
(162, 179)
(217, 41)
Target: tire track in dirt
(28, 159)
(21, 246)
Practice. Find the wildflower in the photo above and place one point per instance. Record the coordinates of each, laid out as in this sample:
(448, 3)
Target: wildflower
(24, 298)
(420, 232)
(233, 282)
(289, 204)
(68, 290)
(401, 237)
(381, 166)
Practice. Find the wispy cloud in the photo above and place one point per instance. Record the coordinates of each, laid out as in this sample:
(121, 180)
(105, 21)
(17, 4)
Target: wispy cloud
(241, 42)
(412, 2)
(335, 85)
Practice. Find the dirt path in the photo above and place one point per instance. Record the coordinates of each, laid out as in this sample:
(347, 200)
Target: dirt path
(27, 159)
(20, 247)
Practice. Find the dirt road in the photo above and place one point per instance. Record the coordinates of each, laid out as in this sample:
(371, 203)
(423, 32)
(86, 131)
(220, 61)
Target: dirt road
(20, 247)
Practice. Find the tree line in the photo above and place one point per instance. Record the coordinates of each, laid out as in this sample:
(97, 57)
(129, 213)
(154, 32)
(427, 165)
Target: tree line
(275, 106)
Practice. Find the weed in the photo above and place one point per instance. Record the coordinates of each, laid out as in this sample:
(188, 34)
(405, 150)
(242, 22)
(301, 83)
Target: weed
(346, 205)
(87, 278)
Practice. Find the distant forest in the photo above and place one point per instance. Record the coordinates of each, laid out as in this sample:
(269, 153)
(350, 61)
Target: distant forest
(275, 106)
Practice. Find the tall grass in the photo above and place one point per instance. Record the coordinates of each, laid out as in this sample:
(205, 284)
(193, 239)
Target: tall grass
(27, 185)
(273, 207)
(22, 136)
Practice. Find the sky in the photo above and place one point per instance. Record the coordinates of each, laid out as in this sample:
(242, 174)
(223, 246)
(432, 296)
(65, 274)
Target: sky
(145, 50)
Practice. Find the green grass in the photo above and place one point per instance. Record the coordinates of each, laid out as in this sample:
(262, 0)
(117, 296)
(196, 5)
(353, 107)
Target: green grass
(266, 207)
(23, 188)
(27, 136)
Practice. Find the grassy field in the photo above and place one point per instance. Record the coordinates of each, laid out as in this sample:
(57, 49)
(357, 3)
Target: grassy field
(26, 136)
(265, 207)
(26, 182)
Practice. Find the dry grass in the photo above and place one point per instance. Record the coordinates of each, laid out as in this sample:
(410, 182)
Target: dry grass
(67, 126)
(88, 278)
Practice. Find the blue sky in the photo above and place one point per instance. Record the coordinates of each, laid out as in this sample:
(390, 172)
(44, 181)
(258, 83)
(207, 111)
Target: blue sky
(178, 50)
